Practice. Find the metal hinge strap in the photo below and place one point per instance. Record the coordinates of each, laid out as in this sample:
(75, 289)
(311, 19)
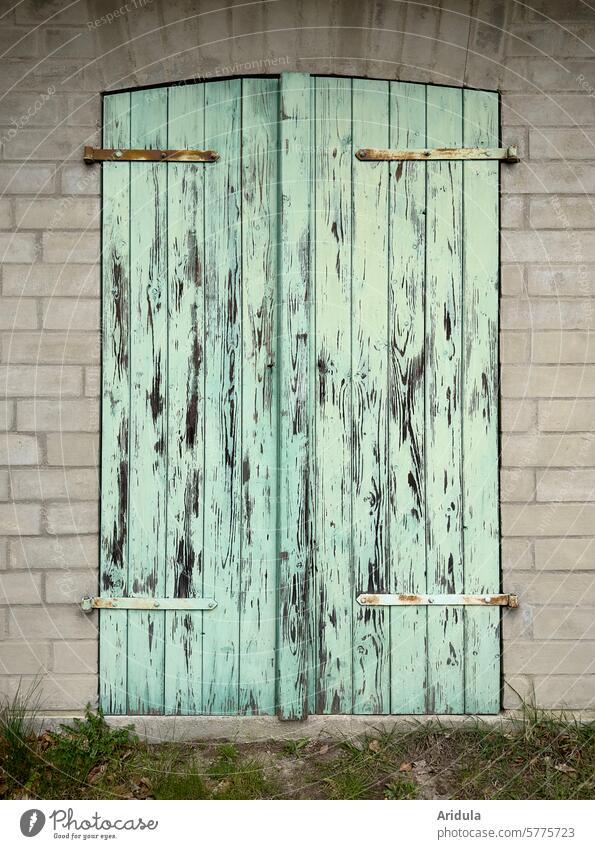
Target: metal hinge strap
(88, 603)
(504, 154)
(401, 599)
(116, 154)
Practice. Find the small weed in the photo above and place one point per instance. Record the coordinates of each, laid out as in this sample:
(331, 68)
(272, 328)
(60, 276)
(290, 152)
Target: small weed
(401, 789)
(182, 785)
(294, 747)
(17, 740)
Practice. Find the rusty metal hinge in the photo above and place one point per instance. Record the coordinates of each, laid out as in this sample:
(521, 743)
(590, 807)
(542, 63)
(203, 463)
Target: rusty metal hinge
(403, 599)
(89, 603)
(504, 154)
(100, 154)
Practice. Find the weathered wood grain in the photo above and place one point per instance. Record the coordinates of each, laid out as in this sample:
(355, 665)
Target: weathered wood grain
(333, 410)
(223, 401)
(480, 404)
(113, 630)
(258, 595)
(406, 399)
(443, 403)
(148, 402)
(294, 532)
(369, 385)
(185, 414)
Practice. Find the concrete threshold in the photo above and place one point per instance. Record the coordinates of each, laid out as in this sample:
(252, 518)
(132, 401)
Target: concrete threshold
(260, 729)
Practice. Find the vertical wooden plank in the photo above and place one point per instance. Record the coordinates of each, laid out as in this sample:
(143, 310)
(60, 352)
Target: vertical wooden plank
(480, 403)
(293, 534)
(185, 416)
(407, 512)
(115, 406)
(223, 509)
(258, 601)
(443, 402)
(332, 223)
(369, 368)
(148, 369)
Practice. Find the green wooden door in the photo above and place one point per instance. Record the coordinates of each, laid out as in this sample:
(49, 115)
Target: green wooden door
(299, 400)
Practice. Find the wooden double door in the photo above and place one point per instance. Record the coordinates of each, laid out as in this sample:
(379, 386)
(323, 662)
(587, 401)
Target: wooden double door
(299, 400)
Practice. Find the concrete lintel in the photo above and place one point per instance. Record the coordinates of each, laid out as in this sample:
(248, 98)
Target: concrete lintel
(260, 729)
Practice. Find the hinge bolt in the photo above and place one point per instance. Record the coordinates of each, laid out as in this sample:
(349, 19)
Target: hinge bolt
(118, 154)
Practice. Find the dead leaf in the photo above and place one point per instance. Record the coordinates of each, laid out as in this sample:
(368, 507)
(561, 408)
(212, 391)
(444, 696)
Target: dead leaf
(323, 749)
(567, 770)
(142, 789)
(96, 773)
(405, 767)
(374, 745)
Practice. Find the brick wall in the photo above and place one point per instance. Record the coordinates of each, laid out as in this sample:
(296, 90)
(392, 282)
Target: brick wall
(58, 56)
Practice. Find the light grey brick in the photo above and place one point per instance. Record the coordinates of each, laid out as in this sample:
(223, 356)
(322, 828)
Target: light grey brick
(65, 247)
(78, 179)
(16, 449)
(57, 692)
(541, 178)
(17, 314)
(567, 416)
(29, 178)
(565, 692)
(548, 314)
(549, 246)
(539, 381)
(62, 144)
(84, 110)
(562, 212)
(515, 346)
(7, 416)
(554, 656)
(19, 109)
(40, 381)
(517, 416)
(512, 280)
(54, 484)
(54, 553)
(73, 449)
(63, 43)
(69, 587)
(4, 485)
(512, 212)
(92, 382)
(69, 347)
(80, 517)
(18, 247)
(543, 39)
(52, 280)
(517, 554)
(566, 485)
(18, 42)
(6, 216)
(567, 589)
(564, 623)
(67, 313)
(562, 143)
(20, 519)
(567, 347)
(559, 281)
(63, 213)
(517, 485)
(518, 690)
(566, 554)
(24, 658)
(54, 621)
(81, 655)
(20, 588)
(64, 415)
(547, 520)
(557, 110)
